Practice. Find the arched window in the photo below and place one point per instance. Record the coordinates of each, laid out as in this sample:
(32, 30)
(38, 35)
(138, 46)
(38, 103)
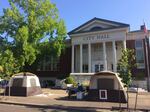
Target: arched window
(96, 28)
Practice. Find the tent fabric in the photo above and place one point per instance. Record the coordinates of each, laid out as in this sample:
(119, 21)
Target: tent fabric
(110, 83)
(24, 84)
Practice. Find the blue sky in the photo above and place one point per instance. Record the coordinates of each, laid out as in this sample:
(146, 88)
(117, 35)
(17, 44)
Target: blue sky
(77, 12)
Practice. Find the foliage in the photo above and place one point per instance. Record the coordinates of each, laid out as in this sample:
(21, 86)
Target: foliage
(8, 64)
(1, 69)
(48, 83)
(32, 26)
(51, 83)
(126, 64)
(70, 80)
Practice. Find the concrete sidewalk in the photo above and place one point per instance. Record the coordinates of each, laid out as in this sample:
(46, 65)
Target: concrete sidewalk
(59, 101)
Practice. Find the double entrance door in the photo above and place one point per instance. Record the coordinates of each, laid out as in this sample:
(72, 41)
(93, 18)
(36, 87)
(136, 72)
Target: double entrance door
(98, 66)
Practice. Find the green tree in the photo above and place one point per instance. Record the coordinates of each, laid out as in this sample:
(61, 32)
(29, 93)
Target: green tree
(126, 64)
(9, 66)
(29, 23)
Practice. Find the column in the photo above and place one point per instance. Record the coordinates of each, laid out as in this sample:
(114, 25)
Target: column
(72, 70)
(104, 56)
(114, 57)
(81, 58)
(124, 44)
(89, 57)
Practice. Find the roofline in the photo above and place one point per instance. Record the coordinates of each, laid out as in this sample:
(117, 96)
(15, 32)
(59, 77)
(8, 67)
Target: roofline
(114, 22)
(138, 31)
(98, 30)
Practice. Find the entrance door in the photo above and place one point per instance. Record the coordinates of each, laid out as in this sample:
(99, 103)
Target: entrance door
(99, 67)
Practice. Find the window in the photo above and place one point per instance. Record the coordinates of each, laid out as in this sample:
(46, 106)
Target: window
(103, 94)
(139, 54)
(97, 47)
(54, 64)
(118, 68)
(99, 67)
(96, 68)
(85, 48)
(138, 44)
(49, 64)
(85, 68)
(33, 82)
(96, 28)
(17, 82)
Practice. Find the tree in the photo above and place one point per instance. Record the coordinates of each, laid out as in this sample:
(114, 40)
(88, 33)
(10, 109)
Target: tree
(8, 65)
(28, 23)
(126, 64)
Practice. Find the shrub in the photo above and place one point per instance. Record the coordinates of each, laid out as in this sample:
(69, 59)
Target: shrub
(51, 83)
(47, 83)
(70, 80)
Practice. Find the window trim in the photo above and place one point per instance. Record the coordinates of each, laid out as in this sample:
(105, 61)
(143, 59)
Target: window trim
(100, 95)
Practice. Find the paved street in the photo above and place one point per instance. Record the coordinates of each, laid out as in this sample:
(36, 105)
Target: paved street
(15, 108)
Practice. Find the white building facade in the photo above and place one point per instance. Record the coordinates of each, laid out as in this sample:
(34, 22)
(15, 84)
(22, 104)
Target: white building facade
(96, 46)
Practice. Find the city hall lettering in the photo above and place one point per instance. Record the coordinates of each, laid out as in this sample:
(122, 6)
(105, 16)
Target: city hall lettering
(97, 37)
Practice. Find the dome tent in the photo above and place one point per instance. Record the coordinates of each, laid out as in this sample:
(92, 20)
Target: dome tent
(23, 84)
(106, 86)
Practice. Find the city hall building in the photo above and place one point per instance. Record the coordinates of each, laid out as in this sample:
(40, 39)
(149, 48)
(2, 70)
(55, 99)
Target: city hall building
(96, 46)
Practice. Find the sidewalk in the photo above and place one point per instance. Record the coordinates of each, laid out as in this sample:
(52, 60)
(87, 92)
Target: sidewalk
(59, 101)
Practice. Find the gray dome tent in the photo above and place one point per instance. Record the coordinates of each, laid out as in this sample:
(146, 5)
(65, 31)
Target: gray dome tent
(106, 86)
(24, 84)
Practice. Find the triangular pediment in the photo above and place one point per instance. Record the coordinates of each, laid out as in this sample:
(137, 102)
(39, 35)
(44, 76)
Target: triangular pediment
(97, 24)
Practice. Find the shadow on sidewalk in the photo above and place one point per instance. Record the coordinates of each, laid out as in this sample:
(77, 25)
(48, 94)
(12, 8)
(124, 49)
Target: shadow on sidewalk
(57, 108)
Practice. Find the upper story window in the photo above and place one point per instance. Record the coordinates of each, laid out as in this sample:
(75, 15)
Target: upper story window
(138, 44)
(85, 48)
(49, 64)
(97, 47)
(139, 54)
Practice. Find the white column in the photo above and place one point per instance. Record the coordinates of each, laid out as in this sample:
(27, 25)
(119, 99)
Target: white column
(124, 44)
(114, 57)
(81, 58)
(104, 56)
(89, 57)
(72, 64)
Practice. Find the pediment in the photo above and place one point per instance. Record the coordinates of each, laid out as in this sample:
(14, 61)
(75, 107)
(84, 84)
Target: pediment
(97, 24)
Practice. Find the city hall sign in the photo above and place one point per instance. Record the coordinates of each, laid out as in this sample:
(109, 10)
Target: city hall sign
(96, 37)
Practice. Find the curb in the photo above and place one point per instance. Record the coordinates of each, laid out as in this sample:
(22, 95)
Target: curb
(69, 108)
